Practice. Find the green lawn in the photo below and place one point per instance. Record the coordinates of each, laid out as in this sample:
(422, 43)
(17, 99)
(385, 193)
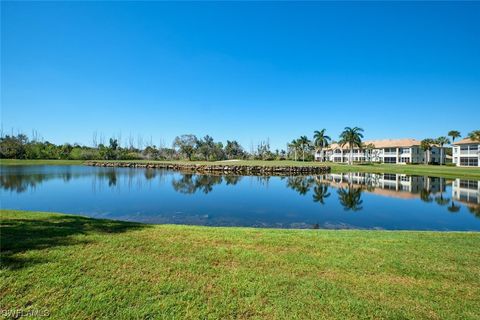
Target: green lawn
(15, 162)
(430, 170)
(80, 268)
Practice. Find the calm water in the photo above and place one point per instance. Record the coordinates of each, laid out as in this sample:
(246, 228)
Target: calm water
(373, 201)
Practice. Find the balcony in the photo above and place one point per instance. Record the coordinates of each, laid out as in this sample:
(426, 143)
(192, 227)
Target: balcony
(469, 152)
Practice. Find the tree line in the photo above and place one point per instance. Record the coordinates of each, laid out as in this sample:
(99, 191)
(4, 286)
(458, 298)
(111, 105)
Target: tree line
(190, 147)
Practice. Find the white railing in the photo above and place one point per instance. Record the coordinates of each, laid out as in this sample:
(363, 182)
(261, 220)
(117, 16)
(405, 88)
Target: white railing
(468, 152)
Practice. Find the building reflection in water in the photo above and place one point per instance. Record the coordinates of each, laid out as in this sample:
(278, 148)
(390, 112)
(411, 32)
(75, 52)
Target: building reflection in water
(467, 192)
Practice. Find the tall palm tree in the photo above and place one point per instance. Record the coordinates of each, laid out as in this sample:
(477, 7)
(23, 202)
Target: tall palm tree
(426, 145)
(474, 135)
(294, 145)
(304, 143)
(321, 140)
(454, 134)
(441, 141)
(353, 137)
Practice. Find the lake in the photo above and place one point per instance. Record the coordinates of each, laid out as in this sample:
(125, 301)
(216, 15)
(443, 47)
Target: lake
(332, 201)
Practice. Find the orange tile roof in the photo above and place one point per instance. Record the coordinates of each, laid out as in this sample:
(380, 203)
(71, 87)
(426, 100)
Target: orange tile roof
(386, 143)
(466, 141)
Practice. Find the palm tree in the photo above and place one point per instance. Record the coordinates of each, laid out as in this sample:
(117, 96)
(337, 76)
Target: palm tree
(474, 135)
(294, 145)
(426, 145)
(454, 134)
(441, 141)
(321, 141)
(352, 136)
(304, 143)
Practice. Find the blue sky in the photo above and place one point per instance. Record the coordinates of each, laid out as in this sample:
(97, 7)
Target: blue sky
(245, 71)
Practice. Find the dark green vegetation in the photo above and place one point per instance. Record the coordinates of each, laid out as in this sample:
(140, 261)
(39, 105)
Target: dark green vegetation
(80, 268)
(189, 147)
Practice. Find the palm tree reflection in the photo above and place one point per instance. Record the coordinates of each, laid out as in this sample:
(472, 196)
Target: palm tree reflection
(350, 198)
(320, 193)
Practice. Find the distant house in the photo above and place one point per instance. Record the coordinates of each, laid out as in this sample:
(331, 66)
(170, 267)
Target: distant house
(466, 153)
(398, 151)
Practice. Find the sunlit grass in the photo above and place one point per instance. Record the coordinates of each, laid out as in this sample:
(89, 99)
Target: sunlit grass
(86, 269)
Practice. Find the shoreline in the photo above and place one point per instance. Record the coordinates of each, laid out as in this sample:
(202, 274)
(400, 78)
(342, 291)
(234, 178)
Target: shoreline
(218, 168)
(448, 172)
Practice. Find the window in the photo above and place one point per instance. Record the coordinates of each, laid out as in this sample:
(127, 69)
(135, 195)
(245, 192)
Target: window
(469, 184)
(405, 160)
(471, 162)
(390, 159)
(474, 148)
(389, 176)
(405, 150)
(464, 148)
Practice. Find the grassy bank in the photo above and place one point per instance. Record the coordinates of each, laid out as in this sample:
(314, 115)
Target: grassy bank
(427, 170)
(15, 162)
(80, 268)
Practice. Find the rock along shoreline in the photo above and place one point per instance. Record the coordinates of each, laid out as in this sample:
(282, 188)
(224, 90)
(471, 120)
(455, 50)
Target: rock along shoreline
(218, 168)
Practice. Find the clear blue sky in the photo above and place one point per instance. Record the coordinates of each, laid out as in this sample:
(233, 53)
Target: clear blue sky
(245, 71)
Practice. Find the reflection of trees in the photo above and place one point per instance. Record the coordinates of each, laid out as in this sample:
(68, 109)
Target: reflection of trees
(320, 192)
(440, 200)
(453, 207)
(300, 184)
(232, 180)
(21, 182)
(426, 195)
(475, 210)
(350, 198)
(150, 173)
(185, 184)
(191, 183)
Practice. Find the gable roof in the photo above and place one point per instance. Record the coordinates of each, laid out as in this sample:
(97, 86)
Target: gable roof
(466, 141)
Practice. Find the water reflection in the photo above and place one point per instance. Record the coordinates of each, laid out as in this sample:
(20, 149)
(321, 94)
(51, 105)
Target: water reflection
(467, 192)
(242, 200)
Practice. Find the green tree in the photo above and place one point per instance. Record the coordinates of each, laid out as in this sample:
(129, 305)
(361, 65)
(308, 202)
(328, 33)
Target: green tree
(441, 141)
(13, 147)
(454, 134)
(321, 141)
(353, 137)
(304, 145)
(206, 147)
(233, 150)
(294, 145)
(186, 144)
(474, 135)
(426, 145)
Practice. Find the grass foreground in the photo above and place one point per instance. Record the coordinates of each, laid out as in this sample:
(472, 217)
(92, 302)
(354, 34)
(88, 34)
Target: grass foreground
(417, 169)
(82, 268)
